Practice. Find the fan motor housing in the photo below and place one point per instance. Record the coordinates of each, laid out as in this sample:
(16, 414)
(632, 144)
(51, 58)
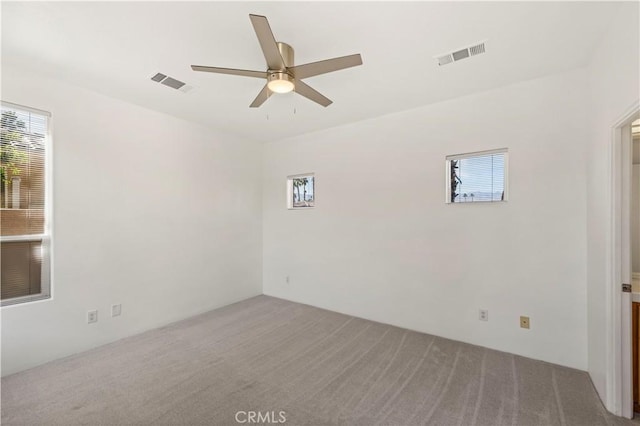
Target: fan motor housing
(286, 52)
(280, 76)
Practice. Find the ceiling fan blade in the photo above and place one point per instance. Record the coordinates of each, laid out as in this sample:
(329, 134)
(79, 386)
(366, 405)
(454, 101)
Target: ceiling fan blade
(244, 73)
(262, 96)
(328, 65)
(312, 94)
(267, 42)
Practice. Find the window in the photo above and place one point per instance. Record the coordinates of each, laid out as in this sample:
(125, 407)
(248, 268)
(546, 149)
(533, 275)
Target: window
(477, 177)
(24, 239)
(301, 191)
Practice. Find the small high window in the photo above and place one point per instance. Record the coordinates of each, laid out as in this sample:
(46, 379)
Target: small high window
(477, 177)
(301, 191)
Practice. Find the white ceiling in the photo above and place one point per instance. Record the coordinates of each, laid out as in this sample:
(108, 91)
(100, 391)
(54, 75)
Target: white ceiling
(115, 47)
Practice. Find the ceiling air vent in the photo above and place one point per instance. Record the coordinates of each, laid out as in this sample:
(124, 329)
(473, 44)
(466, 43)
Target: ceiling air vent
(461, 54)
(444, 60)
(171, 82)
(477, 49)
(158, 77)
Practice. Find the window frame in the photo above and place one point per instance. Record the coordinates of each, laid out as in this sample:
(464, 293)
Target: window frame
(449, 158)
(46, 236)
(290, 179)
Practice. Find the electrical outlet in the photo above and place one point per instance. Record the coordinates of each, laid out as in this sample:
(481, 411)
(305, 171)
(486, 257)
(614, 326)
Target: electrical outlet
(92, 316)
(483, 315)
(116, 310)
(524, 322)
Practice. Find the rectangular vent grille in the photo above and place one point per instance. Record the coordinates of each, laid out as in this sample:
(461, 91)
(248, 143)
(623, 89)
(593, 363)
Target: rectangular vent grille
(476, 50)
(171, 82)
(444, 60)
(461, 54)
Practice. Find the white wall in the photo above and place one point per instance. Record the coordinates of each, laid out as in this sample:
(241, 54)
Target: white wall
(614, 88)
(152, 212)
(382, 244)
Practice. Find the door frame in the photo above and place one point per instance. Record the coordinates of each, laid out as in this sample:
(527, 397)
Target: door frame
(619, 350)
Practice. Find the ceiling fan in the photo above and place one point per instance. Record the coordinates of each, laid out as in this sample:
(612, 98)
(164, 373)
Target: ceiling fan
(282, 75)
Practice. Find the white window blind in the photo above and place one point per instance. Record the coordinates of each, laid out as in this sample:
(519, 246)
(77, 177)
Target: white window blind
(477, 177)
(24, 239)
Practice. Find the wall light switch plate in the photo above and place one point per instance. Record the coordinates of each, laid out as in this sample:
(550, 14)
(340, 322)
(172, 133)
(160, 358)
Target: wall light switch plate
(116, 310)
(524, 322)
(92, 316)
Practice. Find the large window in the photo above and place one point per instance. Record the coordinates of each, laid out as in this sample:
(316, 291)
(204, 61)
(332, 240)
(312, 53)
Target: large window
(477, 177)
(24, 239)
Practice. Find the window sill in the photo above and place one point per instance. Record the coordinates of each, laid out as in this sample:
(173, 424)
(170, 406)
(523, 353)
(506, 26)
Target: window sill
(25, 299)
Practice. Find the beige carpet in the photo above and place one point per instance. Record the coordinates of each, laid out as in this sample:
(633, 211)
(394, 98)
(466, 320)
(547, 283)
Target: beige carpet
(269, 355)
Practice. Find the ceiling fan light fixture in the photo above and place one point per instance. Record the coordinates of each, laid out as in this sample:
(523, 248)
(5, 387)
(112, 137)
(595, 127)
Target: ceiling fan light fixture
(282, 74)
(280, 82)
